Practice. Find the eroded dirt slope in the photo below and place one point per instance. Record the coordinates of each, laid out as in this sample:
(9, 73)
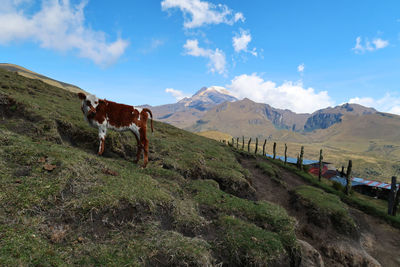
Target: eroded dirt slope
(374, 243)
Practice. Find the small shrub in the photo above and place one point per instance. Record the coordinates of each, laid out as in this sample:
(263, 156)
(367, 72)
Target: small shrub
(338, 186)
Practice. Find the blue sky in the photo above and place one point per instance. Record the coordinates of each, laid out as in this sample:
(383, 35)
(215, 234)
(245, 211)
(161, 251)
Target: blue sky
(301, 55)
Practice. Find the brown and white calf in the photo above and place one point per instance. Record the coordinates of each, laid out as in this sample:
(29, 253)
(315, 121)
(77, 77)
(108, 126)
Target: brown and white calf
(103, 114)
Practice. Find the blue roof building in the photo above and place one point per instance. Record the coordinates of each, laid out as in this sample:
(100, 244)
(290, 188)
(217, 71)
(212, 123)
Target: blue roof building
(294, 160)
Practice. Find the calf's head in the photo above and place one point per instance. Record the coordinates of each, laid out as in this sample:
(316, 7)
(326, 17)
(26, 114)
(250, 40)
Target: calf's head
(89, 103)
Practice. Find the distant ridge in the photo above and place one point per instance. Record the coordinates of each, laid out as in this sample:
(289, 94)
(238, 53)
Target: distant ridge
(33, 75)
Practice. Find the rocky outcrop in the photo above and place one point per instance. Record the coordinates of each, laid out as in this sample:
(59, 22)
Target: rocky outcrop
(327, 117)
(322, 121)
(276, 117)
(310, 257)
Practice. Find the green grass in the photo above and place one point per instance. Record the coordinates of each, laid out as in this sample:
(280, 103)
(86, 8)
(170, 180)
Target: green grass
(249, 245)
(78, 215)
(272, 171)
(326, 205)
(319, 198)
(20, 245)
(270, 216)
(269, 169)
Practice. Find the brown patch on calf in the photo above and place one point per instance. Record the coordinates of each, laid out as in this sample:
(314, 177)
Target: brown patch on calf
(120, 115)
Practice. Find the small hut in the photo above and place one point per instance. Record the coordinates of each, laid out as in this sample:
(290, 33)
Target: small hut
(367, 187)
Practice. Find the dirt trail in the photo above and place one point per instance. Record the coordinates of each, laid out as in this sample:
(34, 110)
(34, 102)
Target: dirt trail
(375, 240)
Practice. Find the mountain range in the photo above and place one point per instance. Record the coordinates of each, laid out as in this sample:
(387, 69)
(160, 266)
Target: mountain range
(215, 109)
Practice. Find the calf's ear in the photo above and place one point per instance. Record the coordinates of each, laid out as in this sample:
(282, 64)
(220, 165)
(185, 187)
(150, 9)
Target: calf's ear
(82, 96)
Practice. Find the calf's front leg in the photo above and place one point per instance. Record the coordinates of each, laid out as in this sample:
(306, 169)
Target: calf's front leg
(135, 130)
(102, 138)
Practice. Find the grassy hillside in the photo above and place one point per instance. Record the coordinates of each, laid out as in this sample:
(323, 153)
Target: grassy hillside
(61, 204)
(218, 136)
(33, 75)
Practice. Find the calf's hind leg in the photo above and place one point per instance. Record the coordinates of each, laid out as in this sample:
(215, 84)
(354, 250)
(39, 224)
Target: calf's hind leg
(145, 143)
(139, 151)
(102, 138)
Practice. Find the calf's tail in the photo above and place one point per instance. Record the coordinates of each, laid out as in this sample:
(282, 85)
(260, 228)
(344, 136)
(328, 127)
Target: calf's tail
(151, 116)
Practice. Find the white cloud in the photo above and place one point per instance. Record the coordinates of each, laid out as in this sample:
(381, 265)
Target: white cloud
(239, 16)
(60, 26)
(388, 103)
(395, 110)
(301, 67)
(377, 44)
(288, 95)
(176, 93)
(216, 57)
(365, 101)
(240, 42)
(198, 13)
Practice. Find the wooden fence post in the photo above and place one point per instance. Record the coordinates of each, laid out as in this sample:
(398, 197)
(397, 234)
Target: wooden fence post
(320, 165)
(265, 142)
(285, 154)
(243, 143)
(342, 172)
(237, 143)
(396, 202)
(255, 151)
(248, 145)
(301, 158)
(392, 196)
(274, 150)
(348, 177)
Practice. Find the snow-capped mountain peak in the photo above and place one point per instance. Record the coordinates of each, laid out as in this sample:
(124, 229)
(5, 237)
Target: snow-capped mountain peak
(207, 97)
(214, 88)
